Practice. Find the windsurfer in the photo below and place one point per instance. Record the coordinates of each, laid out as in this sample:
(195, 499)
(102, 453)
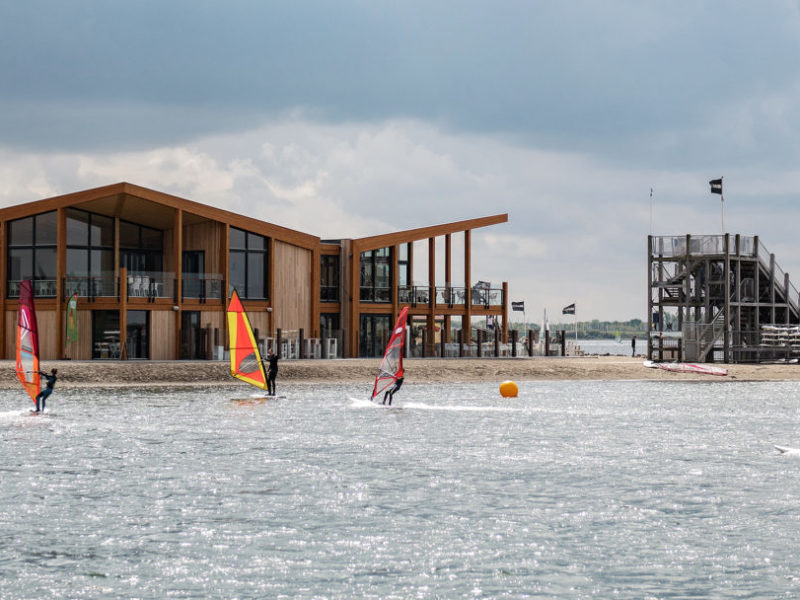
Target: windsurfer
(272, 371)
(42, 396)
(391, 391)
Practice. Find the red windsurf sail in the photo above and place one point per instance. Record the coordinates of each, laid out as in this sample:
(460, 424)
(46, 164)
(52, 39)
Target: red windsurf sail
(27, 366)
(245, 358)
(391, 368)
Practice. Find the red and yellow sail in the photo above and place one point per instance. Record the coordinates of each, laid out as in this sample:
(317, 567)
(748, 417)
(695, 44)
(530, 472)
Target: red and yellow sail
(391, 368)
(245, 358)
(27, 366)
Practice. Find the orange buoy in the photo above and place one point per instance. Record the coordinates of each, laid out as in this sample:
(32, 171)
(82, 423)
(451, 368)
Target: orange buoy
(509, 389)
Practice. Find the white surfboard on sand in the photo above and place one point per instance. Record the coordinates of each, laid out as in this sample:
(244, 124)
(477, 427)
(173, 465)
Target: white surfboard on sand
(788, 451)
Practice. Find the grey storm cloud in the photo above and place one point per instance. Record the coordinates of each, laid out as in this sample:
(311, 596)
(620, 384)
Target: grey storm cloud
(616, 77)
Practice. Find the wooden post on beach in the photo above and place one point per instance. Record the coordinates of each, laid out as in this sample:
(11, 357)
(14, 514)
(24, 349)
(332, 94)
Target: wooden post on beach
(479, 334)
(563, 343)
(278, 336)
(530, 342)
(461, 343)
(514, 334)
(301, 353)
(496, 341)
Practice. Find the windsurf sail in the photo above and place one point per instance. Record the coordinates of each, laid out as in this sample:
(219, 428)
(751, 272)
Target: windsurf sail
(687, 368)
(391, 368)
(27, 342)
(245, 358)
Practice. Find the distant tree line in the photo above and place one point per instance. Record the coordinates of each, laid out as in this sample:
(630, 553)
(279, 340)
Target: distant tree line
(593, 330)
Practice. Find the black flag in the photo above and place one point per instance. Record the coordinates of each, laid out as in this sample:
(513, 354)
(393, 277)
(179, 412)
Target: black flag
(716, 186)
(568, 310)
(518, 306)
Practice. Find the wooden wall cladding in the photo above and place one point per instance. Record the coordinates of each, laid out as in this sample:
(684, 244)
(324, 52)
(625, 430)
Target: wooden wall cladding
(162, 334)
(207, 237)
(47, 322)
(291, 296)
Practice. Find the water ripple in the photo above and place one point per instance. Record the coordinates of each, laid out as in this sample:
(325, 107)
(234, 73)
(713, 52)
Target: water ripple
(572, 490)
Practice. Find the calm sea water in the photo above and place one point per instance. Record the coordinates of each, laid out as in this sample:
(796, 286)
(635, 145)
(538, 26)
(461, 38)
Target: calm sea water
(572, 490)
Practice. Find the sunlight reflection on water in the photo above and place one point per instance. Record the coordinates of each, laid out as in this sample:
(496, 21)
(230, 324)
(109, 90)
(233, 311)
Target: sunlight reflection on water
(573, 489)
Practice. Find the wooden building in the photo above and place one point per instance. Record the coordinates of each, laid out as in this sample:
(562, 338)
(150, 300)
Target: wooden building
(153, 273)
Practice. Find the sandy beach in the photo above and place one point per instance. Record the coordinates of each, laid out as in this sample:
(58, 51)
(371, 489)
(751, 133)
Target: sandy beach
(430, 370)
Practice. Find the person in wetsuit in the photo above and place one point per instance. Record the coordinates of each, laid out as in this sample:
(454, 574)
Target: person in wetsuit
(272, 371)
(391, 391)
(42, 396)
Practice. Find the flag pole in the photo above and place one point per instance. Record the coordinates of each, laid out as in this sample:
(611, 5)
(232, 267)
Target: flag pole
(651, 211)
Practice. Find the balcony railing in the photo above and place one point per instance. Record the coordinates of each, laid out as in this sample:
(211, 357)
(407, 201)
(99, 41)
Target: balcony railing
(42, 288)
(375, 294)
(329, 293)
(451, 296)
(153, 284)
(106, 286)
(202, 287)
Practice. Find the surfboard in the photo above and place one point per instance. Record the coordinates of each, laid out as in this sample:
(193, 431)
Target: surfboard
(257, 399)
(361, 403)
(788, 451)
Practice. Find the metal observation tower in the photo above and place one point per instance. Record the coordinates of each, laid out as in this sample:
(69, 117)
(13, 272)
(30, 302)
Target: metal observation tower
(719, 298)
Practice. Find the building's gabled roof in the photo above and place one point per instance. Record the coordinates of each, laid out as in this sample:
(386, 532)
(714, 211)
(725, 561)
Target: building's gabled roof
(422, 233)
(150, 207)
(141, 205)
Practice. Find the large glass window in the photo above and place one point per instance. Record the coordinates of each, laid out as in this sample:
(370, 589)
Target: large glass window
(249, 264)
(90, 244)
(105, 334)
(141, 248)
(376, 275)
(374, 334)
(32, 253)
(329, 278)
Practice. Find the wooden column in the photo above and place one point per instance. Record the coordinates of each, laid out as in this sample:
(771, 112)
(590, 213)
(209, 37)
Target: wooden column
(225, 263)
(431, 321)
(448, 281)
(123, 315)
(395, 284)
(3, 284)
(177, 250)
(354, 259)
(467, 324)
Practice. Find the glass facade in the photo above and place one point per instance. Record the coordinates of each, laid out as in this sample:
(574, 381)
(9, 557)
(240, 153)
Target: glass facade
(90, 254)
(374, 334)
(32, 254)
(329, 278)
(105, 334)
(137, 334)
(376, 275)
(141, 248)
(249, 264)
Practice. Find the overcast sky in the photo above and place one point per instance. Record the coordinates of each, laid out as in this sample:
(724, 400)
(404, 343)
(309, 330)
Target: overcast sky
(358, 117)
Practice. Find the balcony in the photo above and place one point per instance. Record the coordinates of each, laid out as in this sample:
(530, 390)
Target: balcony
(375, 294)
(329, 293)
(451, 296)
(202, 287)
